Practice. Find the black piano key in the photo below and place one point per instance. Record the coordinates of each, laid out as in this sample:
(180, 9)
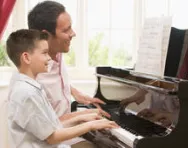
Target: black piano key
(135, 124)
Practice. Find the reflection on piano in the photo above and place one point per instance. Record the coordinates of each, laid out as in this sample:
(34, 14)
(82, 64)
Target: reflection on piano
(136, 132)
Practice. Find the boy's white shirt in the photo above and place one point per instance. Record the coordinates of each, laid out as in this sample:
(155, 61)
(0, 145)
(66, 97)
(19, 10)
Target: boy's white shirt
(59, 95)
(31, 119)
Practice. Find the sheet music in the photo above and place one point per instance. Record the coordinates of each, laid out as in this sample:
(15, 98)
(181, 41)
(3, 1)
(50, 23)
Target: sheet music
(153, 46)
(167, 21)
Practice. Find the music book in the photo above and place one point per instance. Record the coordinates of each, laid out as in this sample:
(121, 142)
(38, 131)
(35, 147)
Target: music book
(153, 46)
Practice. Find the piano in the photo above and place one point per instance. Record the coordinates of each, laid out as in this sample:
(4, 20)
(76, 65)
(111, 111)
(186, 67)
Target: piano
(114, 85)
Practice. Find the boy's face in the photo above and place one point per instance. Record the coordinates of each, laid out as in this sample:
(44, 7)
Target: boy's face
(64, 33)
(39, 57)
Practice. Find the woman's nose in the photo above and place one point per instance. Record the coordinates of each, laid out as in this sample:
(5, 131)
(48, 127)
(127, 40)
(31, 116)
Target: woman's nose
(49, 57)
(72, 34)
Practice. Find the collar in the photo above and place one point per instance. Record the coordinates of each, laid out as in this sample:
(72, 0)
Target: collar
(27, 79)
(52, 64)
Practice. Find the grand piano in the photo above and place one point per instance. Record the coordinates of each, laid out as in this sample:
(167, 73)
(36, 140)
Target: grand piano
(115, 84)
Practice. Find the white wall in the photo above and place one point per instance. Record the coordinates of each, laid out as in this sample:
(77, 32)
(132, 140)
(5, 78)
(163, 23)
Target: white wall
(3, 116)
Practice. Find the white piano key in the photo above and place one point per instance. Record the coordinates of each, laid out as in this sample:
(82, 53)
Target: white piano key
(125, 136)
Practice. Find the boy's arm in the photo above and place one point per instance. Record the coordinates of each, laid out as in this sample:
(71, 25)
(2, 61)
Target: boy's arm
(69, 116)
(80, 119)
(75, 131)
(77, 113)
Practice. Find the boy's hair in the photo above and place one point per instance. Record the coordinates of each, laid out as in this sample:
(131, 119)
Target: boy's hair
(44, 16)
(23, 40)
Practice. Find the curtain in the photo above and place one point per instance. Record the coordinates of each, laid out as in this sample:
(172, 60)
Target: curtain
(6, 7)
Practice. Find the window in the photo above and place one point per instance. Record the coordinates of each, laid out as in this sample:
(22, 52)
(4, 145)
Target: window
(110, 32)
(156, 8)
(107, 31)
(178, 9)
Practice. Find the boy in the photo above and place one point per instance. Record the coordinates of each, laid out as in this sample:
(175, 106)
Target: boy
(31, 119)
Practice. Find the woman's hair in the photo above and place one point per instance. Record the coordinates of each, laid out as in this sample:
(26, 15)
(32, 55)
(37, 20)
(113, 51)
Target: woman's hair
(44, 16)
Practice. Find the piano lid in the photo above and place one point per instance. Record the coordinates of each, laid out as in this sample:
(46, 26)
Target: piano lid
(168, 85)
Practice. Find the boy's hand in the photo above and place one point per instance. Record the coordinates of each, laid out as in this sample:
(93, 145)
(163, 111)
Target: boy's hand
(102, 124)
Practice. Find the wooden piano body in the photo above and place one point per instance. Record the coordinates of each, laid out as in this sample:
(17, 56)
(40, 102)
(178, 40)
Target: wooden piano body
(115, 84)
(167, 86)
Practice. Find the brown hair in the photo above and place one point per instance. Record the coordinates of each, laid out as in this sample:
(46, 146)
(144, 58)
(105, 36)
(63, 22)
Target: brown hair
(44, 16)
(23, 40)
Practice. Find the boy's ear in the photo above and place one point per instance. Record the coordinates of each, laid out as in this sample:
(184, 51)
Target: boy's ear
(25, 57)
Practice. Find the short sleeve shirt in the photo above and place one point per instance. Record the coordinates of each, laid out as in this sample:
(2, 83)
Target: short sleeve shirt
(31, 119)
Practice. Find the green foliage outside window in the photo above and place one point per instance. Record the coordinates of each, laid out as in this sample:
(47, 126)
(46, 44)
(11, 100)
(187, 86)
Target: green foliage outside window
(3, 56)
(70, 57)
(120, 58)
(99, 55)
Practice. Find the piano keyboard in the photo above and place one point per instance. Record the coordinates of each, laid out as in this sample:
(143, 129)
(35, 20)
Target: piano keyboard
(133, 128)
(136, 125)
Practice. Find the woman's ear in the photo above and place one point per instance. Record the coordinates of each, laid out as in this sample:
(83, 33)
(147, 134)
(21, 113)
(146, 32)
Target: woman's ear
(25, 58)
(49, 34)
(45, 31)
